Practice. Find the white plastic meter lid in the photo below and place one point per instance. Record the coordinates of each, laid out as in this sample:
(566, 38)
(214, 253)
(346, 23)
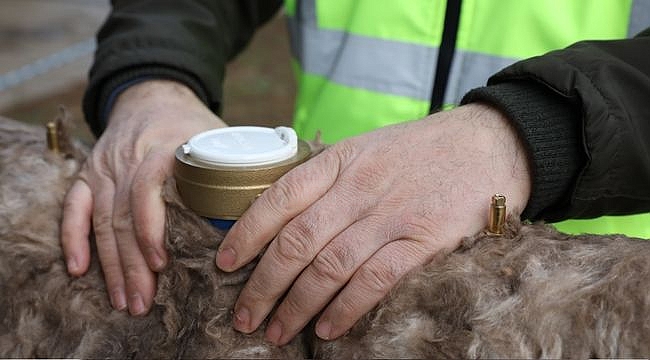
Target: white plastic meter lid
(243, 145)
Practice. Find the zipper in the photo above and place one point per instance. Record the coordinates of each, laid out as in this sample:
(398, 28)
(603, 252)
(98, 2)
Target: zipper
(445, 54)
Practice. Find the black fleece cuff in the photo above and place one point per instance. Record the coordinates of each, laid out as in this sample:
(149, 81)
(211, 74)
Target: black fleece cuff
(97, 96)
(550, 128)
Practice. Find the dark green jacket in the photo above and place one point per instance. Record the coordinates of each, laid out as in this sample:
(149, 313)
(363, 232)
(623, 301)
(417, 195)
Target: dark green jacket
(582, 111)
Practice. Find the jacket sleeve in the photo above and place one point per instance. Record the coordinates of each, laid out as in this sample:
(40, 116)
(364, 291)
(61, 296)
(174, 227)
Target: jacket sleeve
(584, 114)
(185, 40)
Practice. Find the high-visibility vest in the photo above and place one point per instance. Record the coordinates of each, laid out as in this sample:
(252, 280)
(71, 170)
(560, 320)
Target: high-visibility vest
(364, 64)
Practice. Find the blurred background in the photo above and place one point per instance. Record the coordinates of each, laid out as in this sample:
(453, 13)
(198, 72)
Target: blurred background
(46, 50)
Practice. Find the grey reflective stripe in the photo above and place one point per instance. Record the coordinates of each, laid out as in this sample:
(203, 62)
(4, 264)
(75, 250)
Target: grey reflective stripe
(386, 66)
(470, 70)
(307, 11)
(395, 67)
(373, 64)
(639, 17)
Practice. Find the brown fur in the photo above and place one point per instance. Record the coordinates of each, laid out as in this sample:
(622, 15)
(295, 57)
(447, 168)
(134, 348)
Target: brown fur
(46, 313)
(530, 293)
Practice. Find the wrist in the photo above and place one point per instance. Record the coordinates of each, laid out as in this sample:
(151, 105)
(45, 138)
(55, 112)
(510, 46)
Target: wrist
(154, 90)
(550, 127)
(505, 159)
(100, 96)
(152, 95)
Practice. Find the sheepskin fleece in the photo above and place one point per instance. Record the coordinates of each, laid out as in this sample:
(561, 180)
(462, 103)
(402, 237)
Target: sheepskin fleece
(530, 293)
(46, 313)
(533, 293)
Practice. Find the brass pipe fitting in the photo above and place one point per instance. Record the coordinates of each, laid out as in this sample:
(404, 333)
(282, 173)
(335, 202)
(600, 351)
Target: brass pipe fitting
(53, 130)
(497, 215)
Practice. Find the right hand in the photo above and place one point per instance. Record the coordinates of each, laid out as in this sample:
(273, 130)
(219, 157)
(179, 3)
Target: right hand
(119, 189)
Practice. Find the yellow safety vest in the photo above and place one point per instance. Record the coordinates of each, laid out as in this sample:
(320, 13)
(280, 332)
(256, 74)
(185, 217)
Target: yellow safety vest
(363, 64)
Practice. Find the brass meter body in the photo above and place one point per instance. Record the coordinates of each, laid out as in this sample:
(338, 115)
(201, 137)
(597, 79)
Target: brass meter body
(219, 173)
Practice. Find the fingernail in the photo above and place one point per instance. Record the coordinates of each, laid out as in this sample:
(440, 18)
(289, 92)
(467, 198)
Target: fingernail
(136, 305)
(155, 259)
(274, 332)
(323, 329)
(226, 258)
(118, 299)
(73, 265)
(242, 319)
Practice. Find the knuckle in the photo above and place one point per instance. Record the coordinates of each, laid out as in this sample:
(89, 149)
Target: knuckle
(121, 215)
(343, 150)
(378, 279)
(254, 292)
(139, 187)
(133, 272)
(245, 227)
(293, 306)
(293, 244)
(346, 306)
(411, 225)
(333, 264)
(369, 175)
(97, 166)
(366, 177)
(127, 154)
(121, 221)
(282, 193)
(102, 223)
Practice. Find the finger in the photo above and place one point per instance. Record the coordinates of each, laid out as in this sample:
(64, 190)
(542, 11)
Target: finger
(290, 252)
(139, 279)
(106, 244)
(75, 227)
(285, 199)
(369, 285)
(330, 270)
(148, 208)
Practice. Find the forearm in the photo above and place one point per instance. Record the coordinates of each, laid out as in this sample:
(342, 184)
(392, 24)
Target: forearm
(189, 41)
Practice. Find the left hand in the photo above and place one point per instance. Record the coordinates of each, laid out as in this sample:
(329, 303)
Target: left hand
(345, 227)
(119, 188)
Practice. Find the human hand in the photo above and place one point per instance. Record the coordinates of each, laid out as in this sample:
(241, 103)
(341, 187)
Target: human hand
(343, 228)
(119, 189)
